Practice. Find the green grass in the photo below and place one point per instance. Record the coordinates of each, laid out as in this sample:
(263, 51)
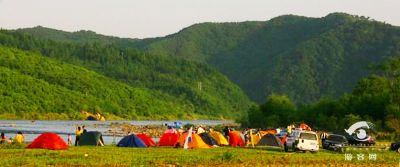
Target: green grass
(225, 156)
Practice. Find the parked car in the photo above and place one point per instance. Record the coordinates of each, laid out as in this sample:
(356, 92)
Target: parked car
(335, 142)
(395, 146)
(303, 141)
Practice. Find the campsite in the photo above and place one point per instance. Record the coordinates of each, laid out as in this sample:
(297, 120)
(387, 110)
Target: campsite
(179, 147)
(199, 83)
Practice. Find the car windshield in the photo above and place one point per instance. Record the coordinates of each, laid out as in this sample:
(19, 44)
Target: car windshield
(308, 136)
(336, 138)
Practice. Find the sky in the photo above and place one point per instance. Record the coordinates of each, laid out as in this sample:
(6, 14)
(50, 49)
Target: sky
(154, 18)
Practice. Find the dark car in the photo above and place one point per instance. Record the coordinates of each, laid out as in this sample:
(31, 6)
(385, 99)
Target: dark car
(395, 146)
(368, 142)
(335, 142)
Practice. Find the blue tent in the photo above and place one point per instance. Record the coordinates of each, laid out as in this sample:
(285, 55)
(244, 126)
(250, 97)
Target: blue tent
(131, 141)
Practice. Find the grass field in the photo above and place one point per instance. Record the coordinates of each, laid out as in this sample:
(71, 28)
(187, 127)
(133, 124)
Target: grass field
(223, 156)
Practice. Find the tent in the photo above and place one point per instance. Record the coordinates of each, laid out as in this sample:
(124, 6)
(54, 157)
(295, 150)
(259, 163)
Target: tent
(305, 126)
(269, 131)
(93, 138)
(194, 142)
(131, 141)
(208, 139)
(255, 138)
(235, 139)
(270, 140)
(146, 139)
(48, 141)
(169, 138)
(219, 138)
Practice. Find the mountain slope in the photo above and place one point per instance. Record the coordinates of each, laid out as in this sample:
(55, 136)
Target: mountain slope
(305, 58)
(188, 88)
(33, 84)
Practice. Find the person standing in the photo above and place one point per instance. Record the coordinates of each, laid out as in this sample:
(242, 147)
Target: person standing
(69, 139)
(78, 133)
(226, 132)
(324, 136)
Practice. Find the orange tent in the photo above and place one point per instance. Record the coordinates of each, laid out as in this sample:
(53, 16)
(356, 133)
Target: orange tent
(49, 141)
(305, 126)
(235, 139)
(194, 142)
(146, 139)
(168, 139)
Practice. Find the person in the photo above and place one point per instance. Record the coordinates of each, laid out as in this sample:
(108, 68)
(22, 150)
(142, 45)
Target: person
(69, 139)
(84, 129)
(289, 129)
(78, 133)
(324, 136)
(246, 135)
(226, 131)
(4, 139)
(278, 130)
(19, 138)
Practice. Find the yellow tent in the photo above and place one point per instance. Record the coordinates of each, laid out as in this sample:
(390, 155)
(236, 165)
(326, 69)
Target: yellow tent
(196, 141)
(217, 136)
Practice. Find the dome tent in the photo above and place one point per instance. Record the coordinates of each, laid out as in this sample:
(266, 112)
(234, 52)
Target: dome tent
(235, 139)
(48, 141)
(146, 139)
(219, 138)
(194, 142)
(93, 138)
(169, 138)
(131, 141)
(270, 140)
(208, 139)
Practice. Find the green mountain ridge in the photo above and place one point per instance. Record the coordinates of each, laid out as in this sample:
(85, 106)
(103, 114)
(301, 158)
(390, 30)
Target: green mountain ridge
(305, 58)
(173, 88)
(302, 57)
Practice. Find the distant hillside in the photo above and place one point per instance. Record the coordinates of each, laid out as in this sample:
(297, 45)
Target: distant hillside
(305, 58)
(83, 36)
(166, 87)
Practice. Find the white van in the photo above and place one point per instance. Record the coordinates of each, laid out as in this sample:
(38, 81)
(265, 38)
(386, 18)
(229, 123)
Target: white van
(302, 140)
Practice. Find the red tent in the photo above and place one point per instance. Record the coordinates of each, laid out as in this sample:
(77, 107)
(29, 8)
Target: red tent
(235, 139)
(146, 139)
(168, 139)
(48, 141)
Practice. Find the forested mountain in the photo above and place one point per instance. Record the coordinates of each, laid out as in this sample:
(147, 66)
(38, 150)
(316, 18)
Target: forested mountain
(107, 78)
(304, 58)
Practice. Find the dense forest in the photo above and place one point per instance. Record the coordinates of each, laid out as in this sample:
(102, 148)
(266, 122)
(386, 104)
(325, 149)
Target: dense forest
(303, 58)
(167, 87)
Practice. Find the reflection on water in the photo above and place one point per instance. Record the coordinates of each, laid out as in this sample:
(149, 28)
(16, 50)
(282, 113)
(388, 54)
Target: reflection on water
(32, 129)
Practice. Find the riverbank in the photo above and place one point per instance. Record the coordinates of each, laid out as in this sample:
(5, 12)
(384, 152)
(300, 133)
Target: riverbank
(77, 116)
(222, 156)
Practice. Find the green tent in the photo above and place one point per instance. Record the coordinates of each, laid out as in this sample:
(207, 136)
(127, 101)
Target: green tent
(91, 139)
